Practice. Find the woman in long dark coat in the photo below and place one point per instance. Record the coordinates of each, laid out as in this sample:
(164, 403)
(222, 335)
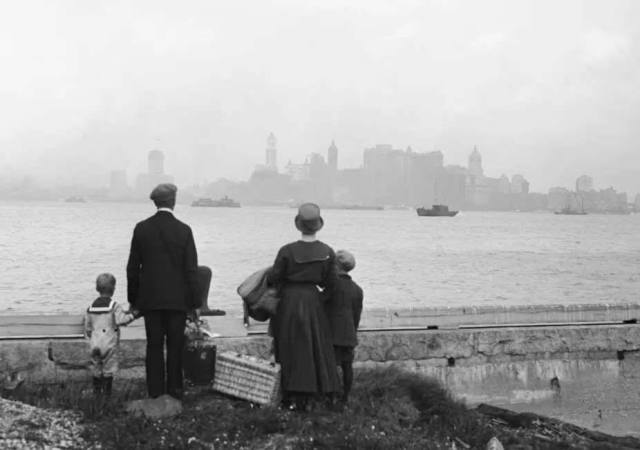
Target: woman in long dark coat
(300, 330)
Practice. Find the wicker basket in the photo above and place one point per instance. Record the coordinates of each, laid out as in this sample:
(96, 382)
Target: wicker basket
(248, 378)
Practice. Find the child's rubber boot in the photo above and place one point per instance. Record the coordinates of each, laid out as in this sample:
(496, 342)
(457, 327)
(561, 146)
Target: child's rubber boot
(97, 386)
(107, 383)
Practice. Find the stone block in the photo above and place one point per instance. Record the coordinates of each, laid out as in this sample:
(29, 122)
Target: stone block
(155, 408)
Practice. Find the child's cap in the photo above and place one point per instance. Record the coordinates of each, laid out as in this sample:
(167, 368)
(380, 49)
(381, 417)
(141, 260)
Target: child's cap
(345, 260)
(105, 283)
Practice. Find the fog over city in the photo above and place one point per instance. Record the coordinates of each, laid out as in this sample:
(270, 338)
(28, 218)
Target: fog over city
(544, 88)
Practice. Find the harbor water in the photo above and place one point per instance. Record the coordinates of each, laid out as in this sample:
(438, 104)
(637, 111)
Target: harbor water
(53, 251)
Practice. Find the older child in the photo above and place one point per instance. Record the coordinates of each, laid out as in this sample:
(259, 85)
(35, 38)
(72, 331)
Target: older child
(343, 309)
(102, 328)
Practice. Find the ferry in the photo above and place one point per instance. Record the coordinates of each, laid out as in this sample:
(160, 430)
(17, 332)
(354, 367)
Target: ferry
(224, 202)
(436, 211)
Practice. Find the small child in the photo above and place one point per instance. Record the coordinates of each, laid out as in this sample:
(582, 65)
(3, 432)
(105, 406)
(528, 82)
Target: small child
(343, 310)
(102, 328)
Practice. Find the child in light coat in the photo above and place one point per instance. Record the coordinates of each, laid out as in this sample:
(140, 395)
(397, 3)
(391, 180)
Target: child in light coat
(102, 323)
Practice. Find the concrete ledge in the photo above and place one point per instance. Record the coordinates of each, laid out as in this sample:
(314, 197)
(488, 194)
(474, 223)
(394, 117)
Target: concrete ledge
(69, 325)
(454, 317)
(44, 360)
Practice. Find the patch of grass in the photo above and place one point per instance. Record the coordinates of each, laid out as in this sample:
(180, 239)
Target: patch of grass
(388, 408)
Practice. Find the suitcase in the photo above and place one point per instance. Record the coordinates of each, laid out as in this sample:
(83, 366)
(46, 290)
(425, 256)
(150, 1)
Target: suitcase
(246, 377)
(198, 357)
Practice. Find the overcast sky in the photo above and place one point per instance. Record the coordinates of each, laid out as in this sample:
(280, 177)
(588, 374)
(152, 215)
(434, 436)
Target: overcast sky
(546, 88)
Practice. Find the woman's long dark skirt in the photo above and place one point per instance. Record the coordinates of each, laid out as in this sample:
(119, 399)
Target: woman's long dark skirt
(301, 342)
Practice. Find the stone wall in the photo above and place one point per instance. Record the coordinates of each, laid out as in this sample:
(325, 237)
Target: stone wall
(585, 374)
(45, 360)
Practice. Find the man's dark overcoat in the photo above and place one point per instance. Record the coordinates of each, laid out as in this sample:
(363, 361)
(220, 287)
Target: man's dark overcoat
(162, 276)
(162, 272)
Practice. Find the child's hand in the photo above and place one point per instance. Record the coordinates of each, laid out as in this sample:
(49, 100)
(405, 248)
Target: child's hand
(135, 313)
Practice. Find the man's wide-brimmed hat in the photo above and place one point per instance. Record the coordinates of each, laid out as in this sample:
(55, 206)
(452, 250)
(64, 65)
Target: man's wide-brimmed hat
(308, 220)
(164, 192)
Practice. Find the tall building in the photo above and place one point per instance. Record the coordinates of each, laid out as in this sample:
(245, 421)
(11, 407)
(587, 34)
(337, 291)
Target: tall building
(584, 183)
(505, 184)
(155, 175)
(271, 161)
(397, 177)
(332, 157)
(156, 163)
(519, 185)
(475, 163)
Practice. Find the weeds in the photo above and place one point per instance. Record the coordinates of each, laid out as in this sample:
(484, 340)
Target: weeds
(388, 408)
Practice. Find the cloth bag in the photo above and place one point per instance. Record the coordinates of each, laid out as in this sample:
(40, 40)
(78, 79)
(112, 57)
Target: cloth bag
(261, 301)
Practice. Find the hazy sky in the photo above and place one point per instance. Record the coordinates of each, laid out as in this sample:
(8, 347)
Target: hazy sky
(547, 88)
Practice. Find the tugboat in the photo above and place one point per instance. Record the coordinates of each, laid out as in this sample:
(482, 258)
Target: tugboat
(224, 202)
(436, 211)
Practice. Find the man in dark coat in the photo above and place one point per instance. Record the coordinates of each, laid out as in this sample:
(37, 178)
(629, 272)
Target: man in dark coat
(163, 286)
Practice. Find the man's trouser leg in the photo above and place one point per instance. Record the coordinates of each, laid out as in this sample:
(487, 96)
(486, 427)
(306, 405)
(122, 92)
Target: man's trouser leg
(175, 321)
(155, 329)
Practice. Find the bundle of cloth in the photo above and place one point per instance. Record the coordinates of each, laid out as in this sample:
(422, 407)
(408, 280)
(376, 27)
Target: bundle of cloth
(260, 300)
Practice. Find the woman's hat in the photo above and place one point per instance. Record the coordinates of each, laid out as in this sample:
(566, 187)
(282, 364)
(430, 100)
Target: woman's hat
(345, 261)
(308, 220)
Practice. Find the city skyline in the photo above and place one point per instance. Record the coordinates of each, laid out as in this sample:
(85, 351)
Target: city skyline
(547, 88)
(274, 160)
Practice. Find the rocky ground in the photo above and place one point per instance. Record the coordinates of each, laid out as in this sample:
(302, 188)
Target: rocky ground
(388, 409)
(24, 426)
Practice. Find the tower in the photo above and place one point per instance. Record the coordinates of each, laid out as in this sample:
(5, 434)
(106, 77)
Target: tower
(156, 162)
(332, 157)
(475, 163)
(271, 153)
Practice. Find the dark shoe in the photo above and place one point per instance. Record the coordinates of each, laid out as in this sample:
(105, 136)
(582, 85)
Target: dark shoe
(212, 312)
(107, 383)
(178, 395)
(302, 403)
(97, 386)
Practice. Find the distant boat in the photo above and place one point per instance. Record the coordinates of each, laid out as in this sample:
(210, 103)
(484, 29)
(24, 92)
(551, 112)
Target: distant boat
(224, 202)
(567, 211)
(436, 211)
(75, 199)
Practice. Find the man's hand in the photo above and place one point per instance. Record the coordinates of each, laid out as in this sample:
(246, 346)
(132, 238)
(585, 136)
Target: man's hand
(194, 315)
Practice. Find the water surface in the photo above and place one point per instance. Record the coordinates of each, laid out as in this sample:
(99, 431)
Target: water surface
(52, 253)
